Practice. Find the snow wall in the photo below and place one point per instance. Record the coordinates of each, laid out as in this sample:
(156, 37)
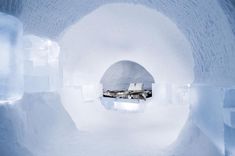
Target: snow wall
(104, 40)
(214, 58)
(30, 125)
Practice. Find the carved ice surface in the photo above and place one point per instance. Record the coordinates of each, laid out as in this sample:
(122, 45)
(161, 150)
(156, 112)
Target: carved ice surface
(229, 122)
(42, 72)
(11, 64)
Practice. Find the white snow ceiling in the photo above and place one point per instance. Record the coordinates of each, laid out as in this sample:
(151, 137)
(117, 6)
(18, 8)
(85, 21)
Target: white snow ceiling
(208, 29)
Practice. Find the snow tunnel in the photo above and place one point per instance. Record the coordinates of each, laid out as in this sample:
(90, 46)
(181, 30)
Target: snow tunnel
(127, 36)
(187, 46)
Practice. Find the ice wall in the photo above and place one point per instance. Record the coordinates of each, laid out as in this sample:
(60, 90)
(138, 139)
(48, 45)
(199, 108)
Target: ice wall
(213, 56)
(120, 32)
(42, 70)
(157, 45)
(11, 130)
(11, 64)
(207, 112)
(192, 141)
(229, 122)
(12, 7)
(30, 126)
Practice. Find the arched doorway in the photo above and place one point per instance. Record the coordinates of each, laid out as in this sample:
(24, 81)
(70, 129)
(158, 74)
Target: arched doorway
(126, 86)
(124, 32)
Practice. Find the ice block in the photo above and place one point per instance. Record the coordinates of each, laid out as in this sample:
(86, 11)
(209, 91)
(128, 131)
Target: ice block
(11, 59)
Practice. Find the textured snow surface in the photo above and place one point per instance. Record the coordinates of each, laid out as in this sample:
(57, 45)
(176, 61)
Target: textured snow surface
(210, 32)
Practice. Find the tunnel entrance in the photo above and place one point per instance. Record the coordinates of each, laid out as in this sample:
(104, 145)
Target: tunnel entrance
(126, 87)
(119, 32)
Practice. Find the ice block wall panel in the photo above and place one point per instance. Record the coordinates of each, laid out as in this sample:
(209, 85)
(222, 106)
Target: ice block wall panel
(42, 68)
(207, 112)
(229, 140)
(11, 59)
(229, 122)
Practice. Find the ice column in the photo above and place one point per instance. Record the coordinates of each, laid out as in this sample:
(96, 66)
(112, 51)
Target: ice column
(11, 62)
(42, 67)
(229, 122)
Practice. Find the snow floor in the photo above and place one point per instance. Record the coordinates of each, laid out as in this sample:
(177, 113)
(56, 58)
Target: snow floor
(40, 124)
(191, 143)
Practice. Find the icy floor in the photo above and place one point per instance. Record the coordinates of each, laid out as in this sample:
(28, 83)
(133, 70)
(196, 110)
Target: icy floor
(121, 144)
(101, 145)
(119, 134)
(40, 124)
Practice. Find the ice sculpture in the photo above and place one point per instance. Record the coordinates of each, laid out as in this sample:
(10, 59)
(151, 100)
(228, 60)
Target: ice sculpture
(42, 72)
(11, 64)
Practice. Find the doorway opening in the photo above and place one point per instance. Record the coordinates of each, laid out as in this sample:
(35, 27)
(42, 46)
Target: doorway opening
(127, 86)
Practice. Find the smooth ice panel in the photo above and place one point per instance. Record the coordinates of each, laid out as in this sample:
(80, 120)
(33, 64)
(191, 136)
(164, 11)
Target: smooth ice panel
(42, 69)
(4, 55)
(11, 63)
(233, 119)
(229, 120)
(229, 117)
(229, 139)
(229, 98)
(207, 112)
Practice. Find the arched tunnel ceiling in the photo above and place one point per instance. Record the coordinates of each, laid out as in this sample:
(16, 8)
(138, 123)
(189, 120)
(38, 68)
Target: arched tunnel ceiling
(207, 28)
